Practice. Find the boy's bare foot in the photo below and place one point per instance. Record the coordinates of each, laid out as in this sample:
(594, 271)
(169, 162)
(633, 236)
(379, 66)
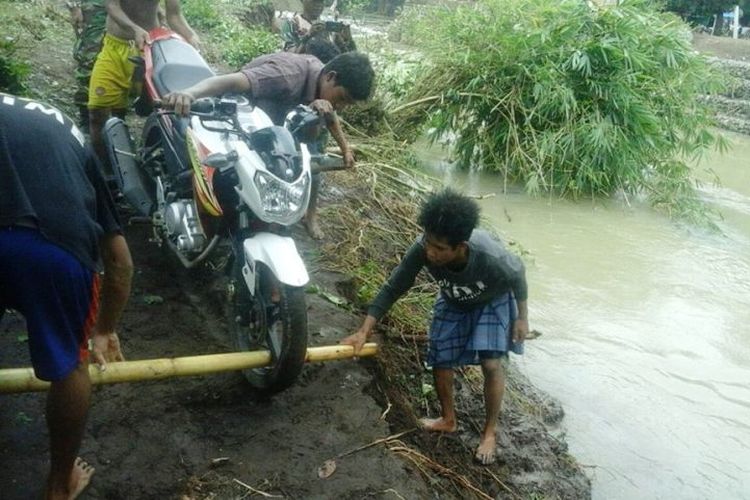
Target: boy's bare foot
(81, 477)
(313, 229)
(486, 450)
(437, 424)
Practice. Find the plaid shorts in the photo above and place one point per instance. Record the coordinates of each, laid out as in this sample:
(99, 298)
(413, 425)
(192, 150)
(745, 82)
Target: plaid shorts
(459, 337)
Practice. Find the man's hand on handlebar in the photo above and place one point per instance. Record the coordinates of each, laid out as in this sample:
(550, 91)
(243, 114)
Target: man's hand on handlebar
(180, 101)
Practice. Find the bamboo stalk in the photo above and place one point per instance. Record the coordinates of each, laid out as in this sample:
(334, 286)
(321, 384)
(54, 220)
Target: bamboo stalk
(16, 380)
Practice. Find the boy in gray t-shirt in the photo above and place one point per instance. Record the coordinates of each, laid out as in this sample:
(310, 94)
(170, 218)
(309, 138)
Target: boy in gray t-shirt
(479, 316)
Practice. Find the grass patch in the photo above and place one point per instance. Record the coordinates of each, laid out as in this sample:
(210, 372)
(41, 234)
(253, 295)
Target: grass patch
(228, 42)
(13, 72)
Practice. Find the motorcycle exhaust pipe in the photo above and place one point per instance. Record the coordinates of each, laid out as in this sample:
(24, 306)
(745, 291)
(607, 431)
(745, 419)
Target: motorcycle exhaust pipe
(126, 174)
(17, 380)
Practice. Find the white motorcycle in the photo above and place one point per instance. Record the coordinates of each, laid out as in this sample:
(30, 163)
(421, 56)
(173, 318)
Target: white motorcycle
(227, 172)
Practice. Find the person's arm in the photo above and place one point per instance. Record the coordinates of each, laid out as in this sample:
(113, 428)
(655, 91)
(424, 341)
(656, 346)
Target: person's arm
(401, 280)
(114, 293)
(521, 325)
(76, 16)
(511, 266)
(359, 338)
(177, 22)
(181, 100)
(333, 124)
(115, 12)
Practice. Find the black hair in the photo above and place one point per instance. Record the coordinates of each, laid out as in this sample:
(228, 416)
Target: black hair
(353, 72)
(450, 216)
(323, 49)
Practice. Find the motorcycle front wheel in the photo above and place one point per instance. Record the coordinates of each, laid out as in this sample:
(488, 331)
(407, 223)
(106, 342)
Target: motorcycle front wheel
(273, 319)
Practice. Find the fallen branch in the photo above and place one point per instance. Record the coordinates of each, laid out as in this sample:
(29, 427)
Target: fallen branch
(257, 492)
(391, 490)
(503, 485)
(377, 441)
(382, 417)
(420, 459)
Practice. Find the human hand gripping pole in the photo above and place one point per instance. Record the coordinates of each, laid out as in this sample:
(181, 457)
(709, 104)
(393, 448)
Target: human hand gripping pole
(105, 348)
(114, 293)
(358, 339)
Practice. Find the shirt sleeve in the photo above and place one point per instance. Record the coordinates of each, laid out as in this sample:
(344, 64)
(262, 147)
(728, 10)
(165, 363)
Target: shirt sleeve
(512, 270)
(106, 212)
(401, 280)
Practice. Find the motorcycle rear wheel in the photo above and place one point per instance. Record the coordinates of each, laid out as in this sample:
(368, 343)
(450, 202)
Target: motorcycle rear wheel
(277, 324)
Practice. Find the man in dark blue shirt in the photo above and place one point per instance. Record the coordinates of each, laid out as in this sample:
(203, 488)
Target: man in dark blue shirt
(58, 225)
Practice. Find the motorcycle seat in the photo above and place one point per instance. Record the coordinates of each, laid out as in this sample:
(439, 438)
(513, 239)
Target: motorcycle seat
(177, 66)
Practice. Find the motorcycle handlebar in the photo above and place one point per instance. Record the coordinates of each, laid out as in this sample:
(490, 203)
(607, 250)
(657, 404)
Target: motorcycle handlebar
(205, 107)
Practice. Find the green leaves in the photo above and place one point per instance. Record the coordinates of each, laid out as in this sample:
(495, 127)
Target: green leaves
(565, 97)
(237, 44)
(13, 71)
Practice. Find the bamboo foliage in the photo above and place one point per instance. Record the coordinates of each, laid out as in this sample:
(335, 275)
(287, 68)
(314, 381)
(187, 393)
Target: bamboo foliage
(566, 97)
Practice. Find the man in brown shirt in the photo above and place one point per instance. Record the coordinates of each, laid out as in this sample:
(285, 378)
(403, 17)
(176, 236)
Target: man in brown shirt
(278, 82)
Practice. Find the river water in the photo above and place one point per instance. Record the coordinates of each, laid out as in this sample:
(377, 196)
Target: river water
(645, 331)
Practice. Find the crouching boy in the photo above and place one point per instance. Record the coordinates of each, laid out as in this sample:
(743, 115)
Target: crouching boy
(479, 316)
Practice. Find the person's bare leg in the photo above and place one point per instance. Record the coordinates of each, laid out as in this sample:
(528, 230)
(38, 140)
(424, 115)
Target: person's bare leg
(97, 118)
(67, 408)
(444, 389)
(494, 388)
(311, 217)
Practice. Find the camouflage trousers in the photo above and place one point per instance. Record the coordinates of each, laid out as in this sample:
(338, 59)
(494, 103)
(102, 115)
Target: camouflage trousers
(87, 46)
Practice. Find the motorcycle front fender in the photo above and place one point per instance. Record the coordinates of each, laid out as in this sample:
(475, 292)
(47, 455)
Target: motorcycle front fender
(279, 254)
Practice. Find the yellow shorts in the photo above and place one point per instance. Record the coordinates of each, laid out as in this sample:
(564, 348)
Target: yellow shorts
(111, 78)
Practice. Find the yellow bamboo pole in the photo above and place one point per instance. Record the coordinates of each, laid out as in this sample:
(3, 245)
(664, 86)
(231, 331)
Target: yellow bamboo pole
(15, 380)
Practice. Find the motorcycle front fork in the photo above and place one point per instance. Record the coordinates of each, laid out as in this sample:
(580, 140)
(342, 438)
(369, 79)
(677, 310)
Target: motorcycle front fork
(269, 288)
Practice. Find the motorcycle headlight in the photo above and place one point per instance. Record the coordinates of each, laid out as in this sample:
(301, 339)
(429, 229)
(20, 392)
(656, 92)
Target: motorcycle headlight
(282, 201)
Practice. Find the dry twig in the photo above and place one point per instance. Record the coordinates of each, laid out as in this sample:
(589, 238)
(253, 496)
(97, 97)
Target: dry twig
(256, 491)
(419, 459)
(377, 441)
(503, 485)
